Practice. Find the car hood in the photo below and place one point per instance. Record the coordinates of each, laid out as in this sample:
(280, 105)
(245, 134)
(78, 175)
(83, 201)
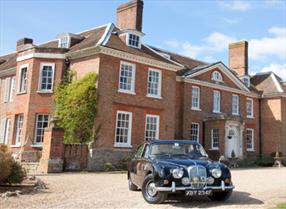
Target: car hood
(184, 162)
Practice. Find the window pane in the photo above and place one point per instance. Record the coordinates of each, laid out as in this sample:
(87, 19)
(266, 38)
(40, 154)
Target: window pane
(126, 79)
(122, 128)
(152, 127)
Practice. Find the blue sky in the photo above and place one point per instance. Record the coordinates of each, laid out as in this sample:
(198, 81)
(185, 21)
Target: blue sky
(201, 29)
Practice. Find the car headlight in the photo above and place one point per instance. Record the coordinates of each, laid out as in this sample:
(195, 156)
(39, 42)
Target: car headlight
(216, 172)
(177, 173)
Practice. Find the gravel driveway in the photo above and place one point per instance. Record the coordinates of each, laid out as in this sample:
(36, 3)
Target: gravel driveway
(255, 188)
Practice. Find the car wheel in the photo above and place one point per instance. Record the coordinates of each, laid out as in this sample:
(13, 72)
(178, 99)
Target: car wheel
(149, 191)
(131, 186)
(220, 196)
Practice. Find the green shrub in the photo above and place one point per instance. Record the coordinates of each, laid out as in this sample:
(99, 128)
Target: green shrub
(109, 167)
(6, 161)
(17, 173)
(265, 161)
(10, 171)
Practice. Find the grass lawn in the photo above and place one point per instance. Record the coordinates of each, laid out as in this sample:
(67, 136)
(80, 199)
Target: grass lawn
(281, 206)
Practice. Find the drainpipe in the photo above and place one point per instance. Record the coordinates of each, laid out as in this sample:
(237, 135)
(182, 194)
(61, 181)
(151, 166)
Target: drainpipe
(260, 134)
(203, 134)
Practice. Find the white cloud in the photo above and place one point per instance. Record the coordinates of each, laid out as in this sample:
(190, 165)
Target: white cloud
(215, 42)
(274, 45)
(230, 21)
(236, 5)
(279, 69)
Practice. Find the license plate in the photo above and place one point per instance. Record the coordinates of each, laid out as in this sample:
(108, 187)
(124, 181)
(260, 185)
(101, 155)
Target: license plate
(198, 193)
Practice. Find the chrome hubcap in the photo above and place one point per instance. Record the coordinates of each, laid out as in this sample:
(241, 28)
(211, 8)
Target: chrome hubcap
(151, 189)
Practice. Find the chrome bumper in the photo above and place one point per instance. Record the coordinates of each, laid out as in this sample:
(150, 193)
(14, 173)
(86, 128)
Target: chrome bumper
(173, 188)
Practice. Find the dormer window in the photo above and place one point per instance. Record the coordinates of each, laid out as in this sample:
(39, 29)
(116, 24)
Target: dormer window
(133, 40)
(216, 76)
(64, 42)
(246, 81)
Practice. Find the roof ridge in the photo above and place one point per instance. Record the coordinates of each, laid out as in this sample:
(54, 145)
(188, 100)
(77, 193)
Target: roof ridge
(14, 52)
(163, 50)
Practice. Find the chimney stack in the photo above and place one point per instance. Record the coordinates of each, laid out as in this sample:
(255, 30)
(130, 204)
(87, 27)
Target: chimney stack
(238, 57)
(24, 43)
(129, 15)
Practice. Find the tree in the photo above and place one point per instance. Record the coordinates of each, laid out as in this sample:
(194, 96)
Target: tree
(75, 107)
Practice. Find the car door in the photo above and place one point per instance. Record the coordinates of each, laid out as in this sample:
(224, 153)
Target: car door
(135, 166)
(144, 167)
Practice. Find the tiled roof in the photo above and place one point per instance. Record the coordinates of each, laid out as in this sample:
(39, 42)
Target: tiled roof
(8, 61)
(258, 78)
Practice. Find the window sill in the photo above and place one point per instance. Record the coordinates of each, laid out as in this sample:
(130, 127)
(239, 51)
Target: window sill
(37, 145)
(20, 93)
(250, 150)
(235, 114)
(214, 149)
(217, 112)
(15, 145)
(196, 109)
(122, 146)
(153, 96)
(250, 117)
(126, 92)
(44, 92)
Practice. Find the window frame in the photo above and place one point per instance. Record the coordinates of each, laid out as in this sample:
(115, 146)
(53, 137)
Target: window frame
(219, 101)
(36, 128)
(12, 88)
(252, 113)
(232, 104)
(159, 90)
(7, 86)
(42, 65)
(199, 98)
(133, 81)
(252, 139)
(217, 76)
(19, 89)
(157, 126)
(18, 136)
(198, 131)
(212, 139)
(5, 129)
(128, 39)
(68, 38)
(128, 143)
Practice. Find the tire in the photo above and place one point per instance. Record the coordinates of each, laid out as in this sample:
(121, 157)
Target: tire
(220, 196)
(131, 186)
(150, 195)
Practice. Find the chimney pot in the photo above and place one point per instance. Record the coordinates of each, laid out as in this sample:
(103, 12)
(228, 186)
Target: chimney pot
(21, 43)
(129, 15)
(238, 57)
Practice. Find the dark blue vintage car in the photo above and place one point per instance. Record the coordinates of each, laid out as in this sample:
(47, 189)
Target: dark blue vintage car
(161, 167)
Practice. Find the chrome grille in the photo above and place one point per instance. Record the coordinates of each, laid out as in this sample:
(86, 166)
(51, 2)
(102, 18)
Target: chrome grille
(198, 176)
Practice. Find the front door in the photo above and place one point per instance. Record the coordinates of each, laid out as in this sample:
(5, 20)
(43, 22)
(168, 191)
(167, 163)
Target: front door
(233, 142)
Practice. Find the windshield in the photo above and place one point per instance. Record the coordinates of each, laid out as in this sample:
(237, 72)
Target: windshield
(174, 149)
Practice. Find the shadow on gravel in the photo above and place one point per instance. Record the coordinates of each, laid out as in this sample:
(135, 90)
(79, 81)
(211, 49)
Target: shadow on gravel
(237, 198)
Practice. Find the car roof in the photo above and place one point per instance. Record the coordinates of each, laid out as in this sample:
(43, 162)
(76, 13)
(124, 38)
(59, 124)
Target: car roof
(164, 141)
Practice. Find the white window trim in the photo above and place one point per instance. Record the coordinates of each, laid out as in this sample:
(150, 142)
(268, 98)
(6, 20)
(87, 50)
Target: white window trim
(128, 144)
(127, 40)
(12, 88)
(220, 76)
(17, 144)
(7, 85)
(158, 125)
(3, 125)
(252, 115)
(38, 144)
(68, 41)
(252, 140)
(7, 130)
(19, 79)
(199, 99)
(212, 147)
(40, 77)
(132, 91)
(158, 96)
(198, 136)
(219, 106)
(235, 113)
